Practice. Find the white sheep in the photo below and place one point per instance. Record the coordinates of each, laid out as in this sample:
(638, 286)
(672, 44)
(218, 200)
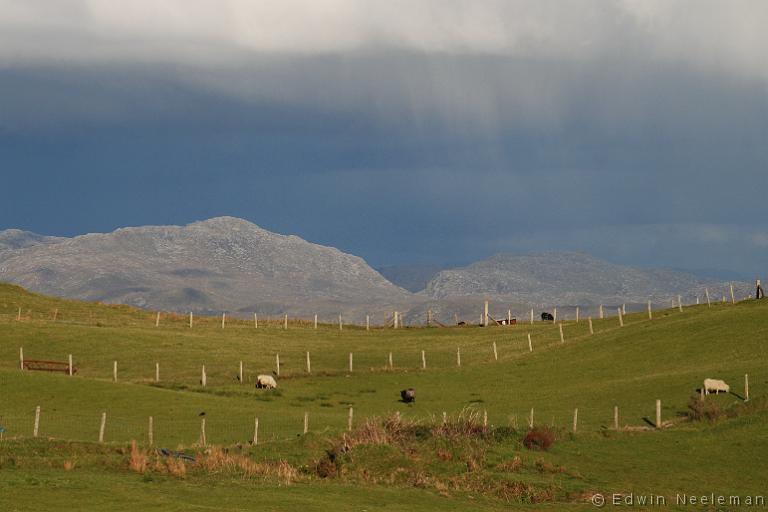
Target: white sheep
(266, 381)
(715, 385)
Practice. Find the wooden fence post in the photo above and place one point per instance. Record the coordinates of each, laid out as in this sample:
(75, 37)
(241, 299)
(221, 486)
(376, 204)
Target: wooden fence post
(255, 321)
(340, 323)
(485, 315)
(495, 352)
(554, 316)
(530, 344)
(315, 321)
(658, 413)
(531, 316)
(157, 320)
(423, 360)
(37, 422)
(151, 431)
(621, 318)
(530, 419)
(350, 362)
(285, 322)
(458, 357)
(591, 329)
(746, 387)
(575, 419)
(203, 377)
(55, 314)
(70, 369)
(102, 427)
(114, 371)
(367, 322)
(203, 439)
(429, 318)
(190, 319)
(706, 292)
(577, 314)
(21, 358)
(602, 315)
(309, 365)
(680, 303)
(277, 364)
(616, 417)
(18, 316)
(349, 420)
(733, 298)
(562, 338)
(157, 372)
(650, 311)
(509, 317)
(394, 319)
(306, 422)
(256, 431)
(485, 418)
(623, 309)
(223, 319)
(241, 372)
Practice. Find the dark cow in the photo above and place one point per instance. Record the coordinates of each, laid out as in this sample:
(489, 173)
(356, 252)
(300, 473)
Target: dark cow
(547, 316)
(408, 395)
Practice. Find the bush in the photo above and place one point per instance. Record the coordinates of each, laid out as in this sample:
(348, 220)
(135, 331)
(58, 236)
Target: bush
(699, 409)
(539, 438)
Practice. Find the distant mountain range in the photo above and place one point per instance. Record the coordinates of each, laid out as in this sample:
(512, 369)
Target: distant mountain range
(229, 264)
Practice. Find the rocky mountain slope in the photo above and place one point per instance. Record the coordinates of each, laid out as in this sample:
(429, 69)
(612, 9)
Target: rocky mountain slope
(222, 264)
(551, 279)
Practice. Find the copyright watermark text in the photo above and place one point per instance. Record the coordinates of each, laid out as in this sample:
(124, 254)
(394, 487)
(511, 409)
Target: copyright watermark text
(657, 500)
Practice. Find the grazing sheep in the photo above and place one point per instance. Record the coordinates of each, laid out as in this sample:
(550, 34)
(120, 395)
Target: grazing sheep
(408, 395)
(266, 381)
(547, 316)
(715, 386)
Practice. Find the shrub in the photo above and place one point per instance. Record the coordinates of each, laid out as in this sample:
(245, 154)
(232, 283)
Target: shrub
(539, 438)
(699, 409)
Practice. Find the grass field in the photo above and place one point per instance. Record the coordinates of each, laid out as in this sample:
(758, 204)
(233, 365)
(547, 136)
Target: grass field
(416, 464)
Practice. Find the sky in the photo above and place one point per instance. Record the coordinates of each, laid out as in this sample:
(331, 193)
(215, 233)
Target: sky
(419, 131)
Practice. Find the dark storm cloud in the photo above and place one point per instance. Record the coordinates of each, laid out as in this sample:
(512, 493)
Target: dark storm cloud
(619, 133)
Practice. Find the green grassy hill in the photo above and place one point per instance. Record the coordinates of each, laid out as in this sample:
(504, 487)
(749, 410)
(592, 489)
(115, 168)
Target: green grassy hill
(666, 358)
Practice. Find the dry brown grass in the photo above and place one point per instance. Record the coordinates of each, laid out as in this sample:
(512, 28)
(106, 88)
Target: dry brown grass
(219, 461)
(137, 461)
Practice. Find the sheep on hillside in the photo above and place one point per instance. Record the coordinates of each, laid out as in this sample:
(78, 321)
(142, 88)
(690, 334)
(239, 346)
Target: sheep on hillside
(715, 386)
(266, 381)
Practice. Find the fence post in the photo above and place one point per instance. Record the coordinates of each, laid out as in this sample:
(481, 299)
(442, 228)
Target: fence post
(530, 419)
(623, 309)
(602, 315)
(157, 372)
(309, 365)
(285, 322)
(616, 417)
(429, 318)
(621, 318)
(485, 315)
(277, 364)
(203, 377)
(190, 319)
(18, 316)
(485, 417)
(733, 298)
(591, 329)
(102, 427)
(575, 419)
(495, 352)
(340, 323)
(256, 431)
(306, 422)
(367, 322)
(577, 314)
(315, 326)
(530, 344)
(458, 357)
(423, 361)
(21, 358)
(203, 440)
(509, 317)
(531, 316)
(157, 320)
(151, 431)
(746, 387)
(114, 371)
(658, 413)
(241, 372)
(391, 366)
(562, 338)
(71, 372)
(223, 319)
(680, 303)
(37, 422)
(650, 311)
(349, 419)
(554, 315)
(350, 362)
(706, 292)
